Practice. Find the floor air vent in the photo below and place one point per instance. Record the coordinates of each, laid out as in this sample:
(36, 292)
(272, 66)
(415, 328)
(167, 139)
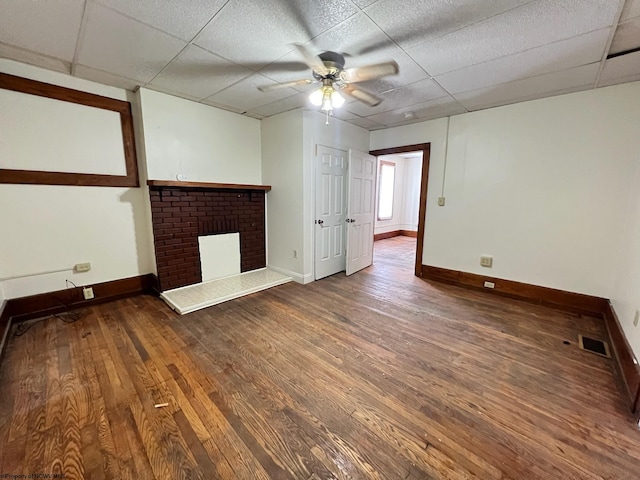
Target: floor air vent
(594, 346)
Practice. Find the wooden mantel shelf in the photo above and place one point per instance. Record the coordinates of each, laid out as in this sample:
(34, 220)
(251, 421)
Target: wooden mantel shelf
(226, 186)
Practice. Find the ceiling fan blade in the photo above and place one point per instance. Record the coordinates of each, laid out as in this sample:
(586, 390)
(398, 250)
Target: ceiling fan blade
(314, 62)
(362, 95)
(277, 86)
(369, 72)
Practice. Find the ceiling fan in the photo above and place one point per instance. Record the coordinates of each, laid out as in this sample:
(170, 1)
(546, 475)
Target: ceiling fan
(328, 68)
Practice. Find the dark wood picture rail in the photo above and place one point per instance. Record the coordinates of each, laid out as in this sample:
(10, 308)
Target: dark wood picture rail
(225, 186)
(37, 177)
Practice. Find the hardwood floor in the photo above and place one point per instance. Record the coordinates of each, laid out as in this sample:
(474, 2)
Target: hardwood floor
(379, 375)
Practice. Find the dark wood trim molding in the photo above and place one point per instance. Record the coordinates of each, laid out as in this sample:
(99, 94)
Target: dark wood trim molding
(574, 302)
(395, 233)
(384, 235)
(5, 326)
(37, 177)
(224, 186)
(628, 369)
(424, 183)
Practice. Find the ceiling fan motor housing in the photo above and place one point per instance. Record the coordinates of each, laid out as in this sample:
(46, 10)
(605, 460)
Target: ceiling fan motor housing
(334, 61)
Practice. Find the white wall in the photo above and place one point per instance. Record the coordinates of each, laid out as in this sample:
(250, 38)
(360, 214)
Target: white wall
(204, 143)
(282, 168)
(539, 185)
(54, 227)
(625, 294)
(411, 198)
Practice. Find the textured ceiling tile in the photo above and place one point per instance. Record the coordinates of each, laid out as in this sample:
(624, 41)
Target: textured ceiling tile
(418, 92)
(537, 23)
(246, 31)
(412, 22)
(573, 52)
(245, 95)
(279, 106)
(49, 28)
(26, 56)
(623, 69)
(122, 46)
(211, 103)
(441, 107)
(631, 10)
(574, 79)
(364, 3)
(177, 17)
(199, 73)
(365, 123)
(105, 78)
(627, 37)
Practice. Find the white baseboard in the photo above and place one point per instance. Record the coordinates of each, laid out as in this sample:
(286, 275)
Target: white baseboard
(297, 277)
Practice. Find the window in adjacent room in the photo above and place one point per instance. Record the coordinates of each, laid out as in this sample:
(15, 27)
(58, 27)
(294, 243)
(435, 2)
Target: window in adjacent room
(385, 196)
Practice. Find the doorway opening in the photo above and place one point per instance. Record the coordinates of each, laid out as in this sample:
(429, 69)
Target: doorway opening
(398, 199)
(385, 225)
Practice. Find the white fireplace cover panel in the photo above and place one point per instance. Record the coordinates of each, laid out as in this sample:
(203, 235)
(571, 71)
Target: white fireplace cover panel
(219, 255)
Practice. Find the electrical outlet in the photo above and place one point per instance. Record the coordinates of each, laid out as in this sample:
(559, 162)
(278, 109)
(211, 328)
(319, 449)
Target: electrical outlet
(635, 319)
(441, 201)
(295, 254)
(82, 267)
(486, 261)
(489, 285)
(88, 293)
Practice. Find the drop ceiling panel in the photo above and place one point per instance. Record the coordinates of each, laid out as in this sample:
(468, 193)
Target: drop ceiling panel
(366, 123)
(412, 22)
(49, 28)
(177, 17)
(627, 37)
(279, 106)
(199, 73)
(625, 68)
(106, 78)
(441, 107)
(250, 31)
(532, 25)
(411, 94)
(245, 95)
(125, 47)
(32, 58)
(631, 10)
(573, 52)
(574, 79)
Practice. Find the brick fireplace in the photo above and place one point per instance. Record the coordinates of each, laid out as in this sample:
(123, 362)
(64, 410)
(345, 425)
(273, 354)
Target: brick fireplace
(182, 212)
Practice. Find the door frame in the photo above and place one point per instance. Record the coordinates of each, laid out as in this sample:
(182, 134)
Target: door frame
(424, 184)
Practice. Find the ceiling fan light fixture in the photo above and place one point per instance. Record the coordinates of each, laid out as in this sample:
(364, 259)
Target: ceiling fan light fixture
(337, 100)
(316, 97)
(327, 98)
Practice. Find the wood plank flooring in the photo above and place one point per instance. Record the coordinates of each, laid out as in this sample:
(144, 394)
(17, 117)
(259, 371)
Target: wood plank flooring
(377, 376)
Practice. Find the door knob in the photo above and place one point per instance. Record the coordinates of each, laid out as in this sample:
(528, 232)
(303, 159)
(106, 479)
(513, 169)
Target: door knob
(351, 220)
(319, 222)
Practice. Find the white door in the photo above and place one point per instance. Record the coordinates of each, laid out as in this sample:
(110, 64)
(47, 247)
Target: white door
(331, 211)
(362, 181)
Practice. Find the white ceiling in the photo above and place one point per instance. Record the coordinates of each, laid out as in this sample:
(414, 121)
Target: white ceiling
(454, 57)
